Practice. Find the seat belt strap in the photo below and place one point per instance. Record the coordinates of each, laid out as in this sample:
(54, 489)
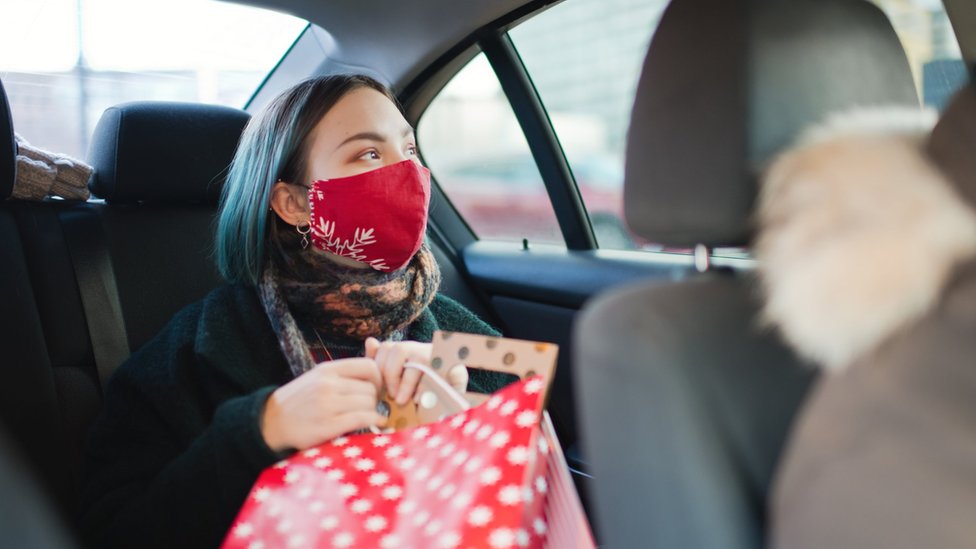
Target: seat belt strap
(92, 264)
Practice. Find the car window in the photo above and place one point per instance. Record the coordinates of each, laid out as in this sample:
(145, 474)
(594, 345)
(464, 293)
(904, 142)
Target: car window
(477, 153)
(63, 62)
(584, 57)
(931, 47)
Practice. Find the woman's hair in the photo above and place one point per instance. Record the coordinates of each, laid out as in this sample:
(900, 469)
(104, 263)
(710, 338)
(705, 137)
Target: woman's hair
(274, 147)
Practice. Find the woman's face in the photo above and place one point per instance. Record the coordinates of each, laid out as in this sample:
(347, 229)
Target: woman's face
(363, 131)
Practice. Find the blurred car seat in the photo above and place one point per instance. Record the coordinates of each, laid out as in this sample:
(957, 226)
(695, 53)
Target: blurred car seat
(685, 399)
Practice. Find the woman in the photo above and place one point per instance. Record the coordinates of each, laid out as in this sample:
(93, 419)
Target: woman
(332, 290)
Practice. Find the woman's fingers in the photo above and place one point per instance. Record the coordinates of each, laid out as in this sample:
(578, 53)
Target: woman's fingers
(372, 345)
(408, 385)
(390, 359)
(358, 419)
(356, 368)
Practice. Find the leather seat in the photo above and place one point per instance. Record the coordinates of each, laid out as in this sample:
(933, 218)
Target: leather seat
(685, 398)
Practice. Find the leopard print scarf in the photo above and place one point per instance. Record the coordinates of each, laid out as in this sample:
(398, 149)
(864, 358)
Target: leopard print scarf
(343, 305)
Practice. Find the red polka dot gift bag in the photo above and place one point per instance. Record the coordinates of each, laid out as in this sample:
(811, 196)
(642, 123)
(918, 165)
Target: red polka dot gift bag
(458, 472)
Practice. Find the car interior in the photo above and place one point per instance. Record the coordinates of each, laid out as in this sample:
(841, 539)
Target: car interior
(671, 406)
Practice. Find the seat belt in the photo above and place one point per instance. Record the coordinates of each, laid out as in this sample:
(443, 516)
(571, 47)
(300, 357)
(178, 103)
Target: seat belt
(92, 264)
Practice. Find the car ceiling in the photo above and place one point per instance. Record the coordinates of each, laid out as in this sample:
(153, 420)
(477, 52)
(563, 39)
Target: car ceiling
(396, 40)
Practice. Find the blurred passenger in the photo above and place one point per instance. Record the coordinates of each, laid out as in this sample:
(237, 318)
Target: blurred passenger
(867, 251)
(331, 290)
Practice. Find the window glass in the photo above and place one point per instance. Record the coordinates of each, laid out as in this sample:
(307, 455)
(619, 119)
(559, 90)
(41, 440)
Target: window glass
(931, 47)
(584, 57)
(63, 62)
(477, 153)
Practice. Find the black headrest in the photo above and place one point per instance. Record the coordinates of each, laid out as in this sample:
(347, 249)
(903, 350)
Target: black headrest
(154, 151)
(8, 148)
(726, 85)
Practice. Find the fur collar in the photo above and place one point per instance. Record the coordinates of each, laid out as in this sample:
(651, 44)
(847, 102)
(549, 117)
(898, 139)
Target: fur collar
(858, 233)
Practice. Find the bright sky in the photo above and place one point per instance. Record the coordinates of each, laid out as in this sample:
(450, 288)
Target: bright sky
(42, 35)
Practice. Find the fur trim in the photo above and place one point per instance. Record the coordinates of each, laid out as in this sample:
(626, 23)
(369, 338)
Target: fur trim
(858, 233)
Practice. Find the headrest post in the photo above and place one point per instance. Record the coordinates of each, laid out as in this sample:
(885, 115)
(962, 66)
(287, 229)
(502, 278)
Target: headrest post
(703, 258)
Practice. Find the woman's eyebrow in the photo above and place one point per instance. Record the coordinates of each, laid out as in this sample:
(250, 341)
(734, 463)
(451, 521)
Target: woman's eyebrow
(373, 136)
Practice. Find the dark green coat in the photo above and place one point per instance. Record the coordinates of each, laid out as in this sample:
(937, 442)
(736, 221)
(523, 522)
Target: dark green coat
(177, 446)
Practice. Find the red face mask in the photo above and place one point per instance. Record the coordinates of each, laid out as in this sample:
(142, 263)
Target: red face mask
(377, 217)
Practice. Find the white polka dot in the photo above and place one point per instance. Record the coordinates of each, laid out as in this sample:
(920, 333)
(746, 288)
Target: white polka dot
(348, 490)
(256, 545)
(340, 441)
(519, 455)
(446, 450)
(533, 386)
(522, 537)
(472, 465)
(391, 541)
(296, 541)
(448, 540)
(435, 482)
(374, 523)
(432, 527)
(343, 540)
(499, 439)
(335, 475)
(539, 526)
(360, 506)
(291, 477)
(420, 433)
(407, 463)
(421, 518)
(526, 418)
(502, 538)
(447, 491)
(480, 516)
(316, 507)
(378, 479)
(459, 458)
(527, 494)
(322, 462)
(422, 473)
(457, 421)
(541, 485)
(243, 530)
(261, 495)
(312, 452)
(329, 523)
(394, 452)
(352, 452)
(543, 446)
(493, 402)
(490, 476)
(510, 495)
(461, 500)
(484, 432)
(406, 507)
(365, 464)
(508, 408)
(392, 492)
(305, 492)
(435, 441)
(381, 441)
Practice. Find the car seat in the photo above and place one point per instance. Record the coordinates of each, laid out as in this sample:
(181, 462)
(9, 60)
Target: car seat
(684, 398)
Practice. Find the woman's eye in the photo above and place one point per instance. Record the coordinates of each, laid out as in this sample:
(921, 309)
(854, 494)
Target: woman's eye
(412, 150)
(370, 155)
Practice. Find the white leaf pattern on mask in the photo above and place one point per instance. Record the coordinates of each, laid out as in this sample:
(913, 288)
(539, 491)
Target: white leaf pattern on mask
(353, 249)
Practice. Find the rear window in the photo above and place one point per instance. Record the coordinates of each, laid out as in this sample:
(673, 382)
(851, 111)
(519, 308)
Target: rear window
(63, 62)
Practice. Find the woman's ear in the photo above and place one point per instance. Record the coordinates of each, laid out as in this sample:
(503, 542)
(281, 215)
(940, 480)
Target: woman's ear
(290, 203)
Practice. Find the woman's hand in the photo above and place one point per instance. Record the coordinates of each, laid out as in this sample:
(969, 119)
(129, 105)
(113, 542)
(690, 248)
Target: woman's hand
(327, 401)
(391, 356)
